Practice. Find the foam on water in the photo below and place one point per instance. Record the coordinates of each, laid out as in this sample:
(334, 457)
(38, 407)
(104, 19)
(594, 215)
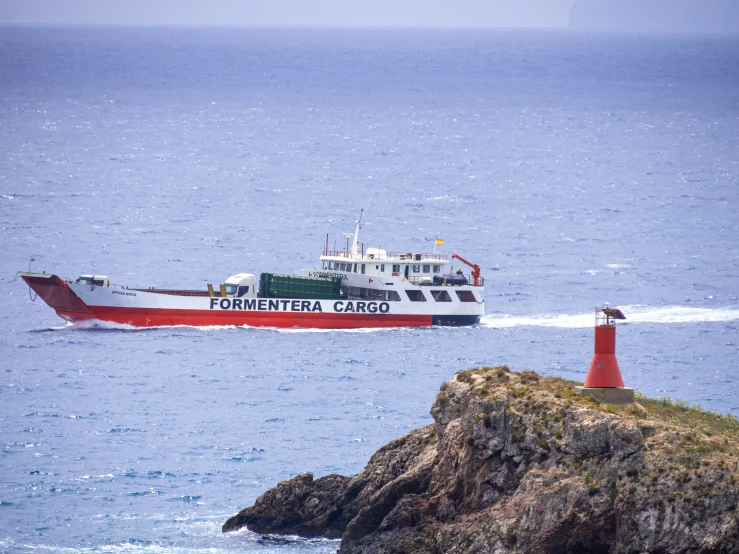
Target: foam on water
(634, 314)
(98, 325)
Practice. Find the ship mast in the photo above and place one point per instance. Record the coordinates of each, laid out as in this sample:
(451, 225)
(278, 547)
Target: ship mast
(355, 244)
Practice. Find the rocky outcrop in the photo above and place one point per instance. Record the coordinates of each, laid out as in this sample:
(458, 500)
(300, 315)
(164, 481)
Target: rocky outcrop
(516, 463)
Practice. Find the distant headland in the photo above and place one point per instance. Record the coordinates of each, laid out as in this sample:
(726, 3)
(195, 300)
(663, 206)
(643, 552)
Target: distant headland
(662, 16)
(517, 463)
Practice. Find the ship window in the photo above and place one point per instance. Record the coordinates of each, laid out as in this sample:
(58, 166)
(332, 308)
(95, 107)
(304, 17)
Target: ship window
(441, 296)
(416, 268)
(396, 268)
(389, 295)
(415, 296)
(437, 269)
(466, 296)
(382, 268)
(356, 268)
(363, 267)
(342, 266)
(426, 268)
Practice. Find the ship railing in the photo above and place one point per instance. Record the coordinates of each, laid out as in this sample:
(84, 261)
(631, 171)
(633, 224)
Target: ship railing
(172, 292)
(389, 256)
(176, 292)
(426, 280)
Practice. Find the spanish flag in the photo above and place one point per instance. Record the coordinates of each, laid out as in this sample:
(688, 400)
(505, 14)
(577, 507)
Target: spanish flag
(439, 242)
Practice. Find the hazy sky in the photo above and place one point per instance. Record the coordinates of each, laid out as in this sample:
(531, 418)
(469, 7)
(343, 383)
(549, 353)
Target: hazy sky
(484, 13)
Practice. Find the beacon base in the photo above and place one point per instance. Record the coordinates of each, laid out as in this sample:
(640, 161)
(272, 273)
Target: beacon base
(611, 395)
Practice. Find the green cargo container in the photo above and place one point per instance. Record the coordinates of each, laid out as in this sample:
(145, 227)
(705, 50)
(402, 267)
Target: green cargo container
(272, 285)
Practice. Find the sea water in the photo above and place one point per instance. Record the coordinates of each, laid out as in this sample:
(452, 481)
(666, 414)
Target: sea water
(576, 169)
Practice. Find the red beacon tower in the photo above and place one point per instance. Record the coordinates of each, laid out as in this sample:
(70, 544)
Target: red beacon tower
(604, 371)
(604, 379)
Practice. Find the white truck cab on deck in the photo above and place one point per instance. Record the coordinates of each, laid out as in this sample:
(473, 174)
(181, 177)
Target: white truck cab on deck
(242, 285)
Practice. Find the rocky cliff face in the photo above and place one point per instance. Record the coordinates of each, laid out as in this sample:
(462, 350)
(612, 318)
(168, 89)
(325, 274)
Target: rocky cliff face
(515, 463)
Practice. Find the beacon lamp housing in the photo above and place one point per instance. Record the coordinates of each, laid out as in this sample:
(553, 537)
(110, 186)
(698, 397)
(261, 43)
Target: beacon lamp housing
(604, 380)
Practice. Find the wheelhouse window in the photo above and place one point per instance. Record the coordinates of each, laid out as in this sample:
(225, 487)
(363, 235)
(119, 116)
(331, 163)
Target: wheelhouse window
(426, 268)
(363, 268)
(415, 296)
(466, 296)
(441, 296)
(437, 269)
(416, 268)
(382, 268)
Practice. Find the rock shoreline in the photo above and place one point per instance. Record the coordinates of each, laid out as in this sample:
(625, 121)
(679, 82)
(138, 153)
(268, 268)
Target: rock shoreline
(515, 463)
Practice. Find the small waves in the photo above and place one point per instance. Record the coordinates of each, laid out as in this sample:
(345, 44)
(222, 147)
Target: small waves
(634, 314)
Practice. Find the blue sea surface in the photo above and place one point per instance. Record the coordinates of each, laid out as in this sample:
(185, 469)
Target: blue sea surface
(576, 169)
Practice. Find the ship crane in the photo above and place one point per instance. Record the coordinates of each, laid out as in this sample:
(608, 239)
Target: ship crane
(475, 269)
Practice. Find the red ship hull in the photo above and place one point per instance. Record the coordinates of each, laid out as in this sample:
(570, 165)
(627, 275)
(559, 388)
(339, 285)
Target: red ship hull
(201, 318)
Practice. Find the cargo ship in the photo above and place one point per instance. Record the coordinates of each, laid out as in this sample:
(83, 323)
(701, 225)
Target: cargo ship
(349, 288)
